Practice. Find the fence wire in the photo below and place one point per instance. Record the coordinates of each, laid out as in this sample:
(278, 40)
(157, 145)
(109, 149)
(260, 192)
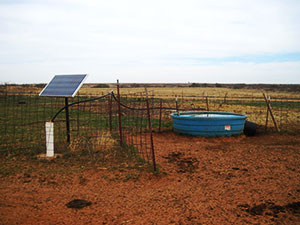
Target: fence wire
(94, 122)
(94, 126)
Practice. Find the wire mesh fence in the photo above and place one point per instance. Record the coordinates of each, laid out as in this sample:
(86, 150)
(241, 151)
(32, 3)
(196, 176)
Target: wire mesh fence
(99, 127)
(286, 110)
(106, 133)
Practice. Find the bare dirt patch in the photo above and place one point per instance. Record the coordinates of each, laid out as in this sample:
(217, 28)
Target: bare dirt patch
(184, 164)
(230, 180)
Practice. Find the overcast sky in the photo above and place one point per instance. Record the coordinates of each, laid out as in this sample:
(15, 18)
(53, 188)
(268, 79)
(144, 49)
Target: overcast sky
(216, 41)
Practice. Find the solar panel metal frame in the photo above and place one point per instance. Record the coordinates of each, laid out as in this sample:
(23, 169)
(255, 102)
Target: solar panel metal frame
(59, 86)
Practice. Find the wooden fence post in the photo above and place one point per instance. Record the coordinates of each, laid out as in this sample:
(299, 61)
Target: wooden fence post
(271, 113)
(267, 116)
(225, 97)
(206, 97)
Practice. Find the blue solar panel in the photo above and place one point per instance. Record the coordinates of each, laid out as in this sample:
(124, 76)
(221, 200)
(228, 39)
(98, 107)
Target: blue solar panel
(63, 86)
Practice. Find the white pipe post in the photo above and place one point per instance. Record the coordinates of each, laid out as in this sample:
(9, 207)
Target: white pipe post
(49, 139)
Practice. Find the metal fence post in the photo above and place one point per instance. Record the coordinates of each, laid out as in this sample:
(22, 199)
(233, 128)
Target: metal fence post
(160, 111)
(150, 130)
(120, 115)
(177, 111)
(109, 112)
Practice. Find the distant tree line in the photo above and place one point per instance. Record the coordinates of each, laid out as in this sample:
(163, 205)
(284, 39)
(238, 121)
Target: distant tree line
(270, 87)
(101, 86)
(41, 85)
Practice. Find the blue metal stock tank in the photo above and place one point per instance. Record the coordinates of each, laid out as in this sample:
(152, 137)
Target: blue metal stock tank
(208, 124)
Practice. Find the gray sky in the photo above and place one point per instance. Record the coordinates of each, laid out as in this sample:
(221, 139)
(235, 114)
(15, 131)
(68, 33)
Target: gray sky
(229, 41)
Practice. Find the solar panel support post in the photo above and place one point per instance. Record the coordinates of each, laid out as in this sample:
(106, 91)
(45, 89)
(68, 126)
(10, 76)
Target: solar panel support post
(67, 120)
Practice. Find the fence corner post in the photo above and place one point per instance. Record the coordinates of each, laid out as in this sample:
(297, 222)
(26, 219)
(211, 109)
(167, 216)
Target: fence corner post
(49, 139)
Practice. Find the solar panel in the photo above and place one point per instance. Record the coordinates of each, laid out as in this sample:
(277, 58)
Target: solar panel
(63, 86)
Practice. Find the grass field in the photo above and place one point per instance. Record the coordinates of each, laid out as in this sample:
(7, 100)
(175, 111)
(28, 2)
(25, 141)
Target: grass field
(286, 103)
(23, 112)
(190, 92)
(172, 91)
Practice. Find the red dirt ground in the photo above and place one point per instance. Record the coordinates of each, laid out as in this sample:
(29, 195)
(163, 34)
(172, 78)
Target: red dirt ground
(230, 180)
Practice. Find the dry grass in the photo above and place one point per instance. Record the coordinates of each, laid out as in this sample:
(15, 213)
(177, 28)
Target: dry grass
(170, 92)
(100, 141)
(186, 92)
